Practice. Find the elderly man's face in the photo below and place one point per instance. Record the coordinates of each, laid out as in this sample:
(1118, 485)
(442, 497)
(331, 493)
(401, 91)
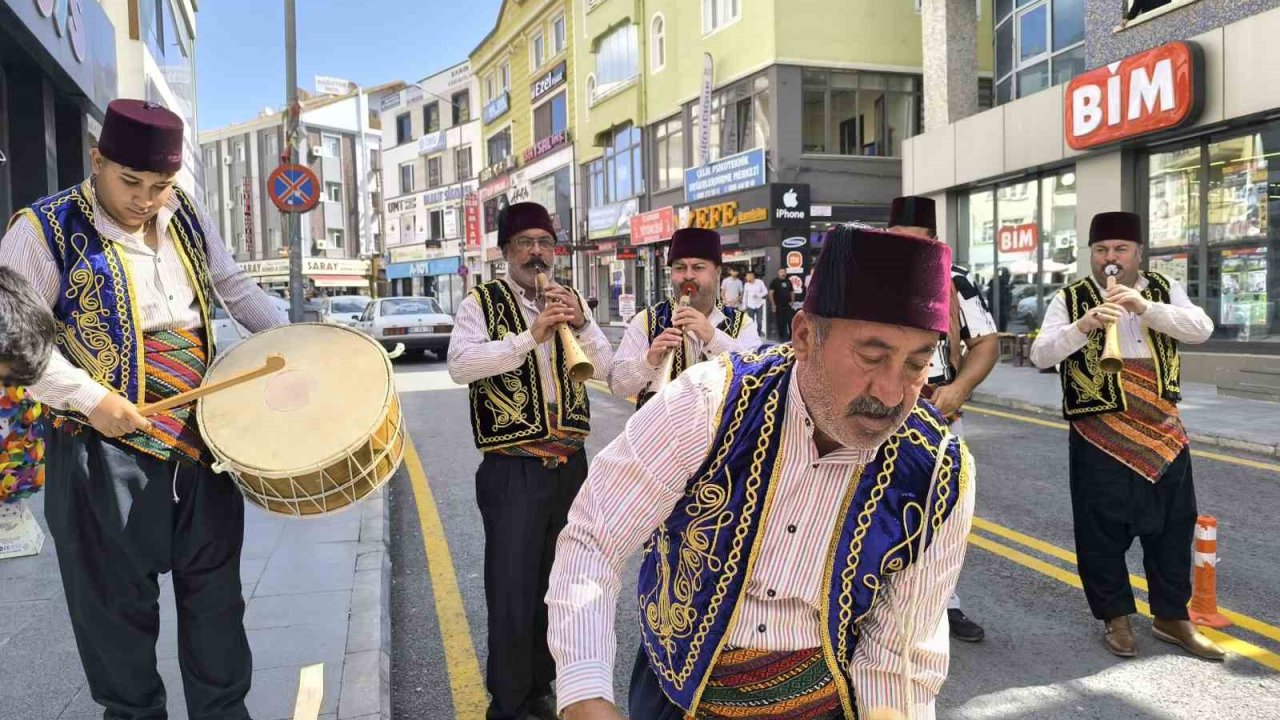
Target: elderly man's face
(860, 379)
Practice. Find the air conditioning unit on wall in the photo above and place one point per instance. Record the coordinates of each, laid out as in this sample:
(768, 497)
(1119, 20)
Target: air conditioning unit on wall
(317, 151)
(322, 244)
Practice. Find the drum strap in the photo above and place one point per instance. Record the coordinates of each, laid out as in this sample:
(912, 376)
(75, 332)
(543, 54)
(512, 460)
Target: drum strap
(175, 362)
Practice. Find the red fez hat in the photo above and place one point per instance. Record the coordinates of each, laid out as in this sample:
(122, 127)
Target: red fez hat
(520, 217)
(142, 136)
(914, 211)
(695, 243)
(1115, 226)
(882, 277)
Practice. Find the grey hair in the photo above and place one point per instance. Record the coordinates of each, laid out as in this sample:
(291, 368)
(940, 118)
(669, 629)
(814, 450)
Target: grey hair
(821, 328)
(27, 329)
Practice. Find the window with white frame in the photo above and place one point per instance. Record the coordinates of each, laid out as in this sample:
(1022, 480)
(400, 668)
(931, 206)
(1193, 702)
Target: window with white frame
(551, 117)
(462, 163)
(461, 107)
(1038, 44)
(559, 35)
(617, 60)
(239, 151)
(504, 77)
(618, 175)
(499, 146)
(333, 191)
(537, 51)
(335, 238)
(435, 172)
(332, 146)
(717, 14)
(406, 178)
(431, 118)
(489, 88)
(668, 153)
(739, 118)
(435, 226)
(658, 43)
(847, 112)
(404, 128)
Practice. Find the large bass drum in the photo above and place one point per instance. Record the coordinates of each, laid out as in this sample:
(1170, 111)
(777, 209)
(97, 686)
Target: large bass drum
(315, 437)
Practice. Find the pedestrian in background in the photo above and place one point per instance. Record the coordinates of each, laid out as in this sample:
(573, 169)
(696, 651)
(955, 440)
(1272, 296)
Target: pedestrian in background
(754, 295)
(731, 290)
(781, 295)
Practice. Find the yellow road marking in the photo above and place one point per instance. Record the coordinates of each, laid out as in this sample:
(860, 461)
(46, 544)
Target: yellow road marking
(1207, 455)
(465, 680)
(1242, 621)
(1229, 643)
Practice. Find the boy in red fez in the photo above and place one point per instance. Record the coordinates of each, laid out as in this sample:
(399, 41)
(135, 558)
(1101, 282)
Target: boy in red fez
(531, 419)
(131, 265)
(953, 375)
(802, 514)
(698, 331)
(1130, 458)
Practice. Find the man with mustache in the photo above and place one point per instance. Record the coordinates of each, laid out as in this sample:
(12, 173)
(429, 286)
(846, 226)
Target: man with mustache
(131, 266)
(530, 419)
(702, 330)
(803, 516)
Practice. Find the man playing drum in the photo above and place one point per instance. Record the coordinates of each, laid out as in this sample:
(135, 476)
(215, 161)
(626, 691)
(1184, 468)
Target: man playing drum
(131, 265)
(530, 419)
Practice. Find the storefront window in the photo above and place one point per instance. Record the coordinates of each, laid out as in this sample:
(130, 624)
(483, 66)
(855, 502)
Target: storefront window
(858, 113)
(1058, 245)
(1017, 230)
(1173, 216)
(982, 239)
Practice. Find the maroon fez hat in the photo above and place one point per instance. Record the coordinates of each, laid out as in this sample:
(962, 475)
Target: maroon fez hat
(695, 243)
(142, 136)
(914, 211)
(520, 217)
(883, 277)
(1115, 226)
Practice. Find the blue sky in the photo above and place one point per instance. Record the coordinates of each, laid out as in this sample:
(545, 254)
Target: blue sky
(240, 47)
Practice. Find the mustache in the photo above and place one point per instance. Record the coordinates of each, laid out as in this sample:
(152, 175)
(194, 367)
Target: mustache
(536, 264)
(868, 406)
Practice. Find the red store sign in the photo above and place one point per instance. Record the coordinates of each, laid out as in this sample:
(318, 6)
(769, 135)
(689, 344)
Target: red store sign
(471, 215)
(545, 145)
(1160, 89)
(1019, 238)
(654, 226)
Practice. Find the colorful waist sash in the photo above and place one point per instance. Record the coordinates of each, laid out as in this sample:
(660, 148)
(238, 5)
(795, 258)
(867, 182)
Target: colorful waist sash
(1148, 436)
(22, 429)
(175, 362)
(562, 444)
(764, 685)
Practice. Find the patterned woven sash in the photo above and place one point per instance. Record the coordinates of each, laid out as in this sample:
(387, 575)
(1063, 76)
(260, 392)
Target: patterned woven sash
(765, 685)
(563, 443)
(21, 444)
(1148, 436)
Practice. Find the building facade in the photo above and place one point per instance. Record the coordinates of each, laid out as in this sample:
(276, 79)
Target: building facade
(431, 152)
(808, 105)
(341, 142)
(58, 72)
(524, 69)
(1176, 122)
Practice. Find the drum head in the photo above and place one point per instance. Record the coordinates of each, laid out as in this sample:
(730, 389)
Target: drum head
(331, 396)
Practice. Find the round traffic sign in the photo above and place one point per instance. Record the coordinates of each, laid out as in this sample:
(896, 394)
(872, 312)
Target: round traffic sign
(293, 188)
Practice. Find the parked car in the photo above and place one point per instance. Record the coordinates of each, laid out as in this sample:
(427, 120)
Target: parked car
(224, 328)
(343, 309)
(417, 322)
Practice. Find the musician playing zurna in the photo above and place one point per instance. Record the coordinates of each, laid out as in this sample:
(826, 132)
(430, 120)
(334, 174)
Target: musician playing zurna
(802, 512)
(1129, 454)
(530, 419)
(130, 265)
(677, 333)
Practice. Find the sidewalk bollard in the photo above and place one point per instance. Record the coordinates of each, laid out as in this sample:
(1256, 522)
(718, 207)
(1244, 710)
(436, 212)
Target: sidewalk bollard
(1204, 595)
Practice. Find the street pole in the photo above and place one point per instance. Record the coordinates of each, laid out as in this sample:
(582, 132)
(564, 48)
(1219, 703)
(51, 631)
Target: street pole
(294, 222)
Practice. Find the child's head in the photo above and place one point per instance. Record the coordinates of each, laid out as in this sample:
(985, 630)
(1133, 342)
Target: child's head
(27, 329)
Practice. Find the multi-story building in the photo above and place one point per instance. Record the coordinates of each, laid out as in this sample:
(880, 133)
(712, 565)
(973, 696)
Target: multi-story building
(57, 74)
(340, 140)
(523, 68)
(807, 104)
(155, 54)
(430, 154)
(1177, 122)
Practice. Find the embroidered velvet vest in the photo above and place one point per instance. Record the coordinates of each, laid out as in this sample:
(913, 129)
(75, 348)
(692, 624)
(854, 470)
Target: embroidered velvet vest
(1086, 390)
(509, 409)
(99, 324)
(696, 565)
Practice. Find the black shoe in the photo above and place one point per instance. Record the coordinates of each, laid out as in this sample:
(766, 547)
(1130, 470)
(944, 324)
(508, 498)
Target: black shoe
(543, 708)
(964, 629)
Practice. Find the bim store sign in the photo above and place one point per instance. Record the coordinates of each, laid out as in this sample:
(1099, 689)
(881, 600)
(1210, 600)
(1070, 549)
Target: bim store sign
(1160, 89)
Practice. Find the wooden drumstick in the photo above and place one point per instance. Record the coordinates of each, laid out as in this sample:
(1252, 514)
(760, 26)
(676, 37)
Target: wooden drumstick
(274, 363)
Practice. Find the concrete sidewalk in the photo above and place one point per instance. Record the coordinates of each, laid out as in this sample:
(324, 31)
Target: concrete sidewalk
(316, 591)
(1227, 422)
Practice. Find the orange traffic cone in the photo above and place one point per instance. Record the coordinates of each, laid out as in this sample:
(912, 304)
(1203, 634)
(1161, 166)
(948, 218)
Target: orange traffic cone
(1204, 596)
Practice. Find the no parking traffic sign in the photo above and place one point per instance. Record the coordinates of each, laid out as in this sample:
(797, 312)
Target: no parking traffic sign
(294, 188)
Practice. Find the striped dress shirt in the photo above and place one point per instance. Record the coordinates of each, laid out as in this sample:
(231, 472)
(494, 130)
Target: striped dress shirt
(166, 299)
(635, 483)
(473, 356)
(632, 372)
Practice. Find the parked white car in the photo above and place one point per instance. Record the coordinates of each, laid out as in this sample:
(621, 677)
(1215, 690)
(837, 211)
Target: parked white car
(417, 322)
(344, 309)
(224, 328)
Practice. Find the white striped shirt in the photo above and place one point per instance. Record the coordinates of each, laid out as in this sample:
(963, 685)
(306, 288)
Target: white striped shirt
(166, 299)
(632, 372)
(473, 356)
(633, 486)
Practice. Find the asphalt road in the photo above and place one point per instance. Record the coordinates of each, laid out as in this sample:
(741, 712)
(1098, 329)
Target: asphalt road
(1042, 658)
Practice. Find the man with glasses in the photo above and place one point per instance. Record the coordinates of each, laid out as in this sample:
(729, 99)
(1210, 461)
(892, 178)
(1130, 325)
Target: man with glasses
(530, 420)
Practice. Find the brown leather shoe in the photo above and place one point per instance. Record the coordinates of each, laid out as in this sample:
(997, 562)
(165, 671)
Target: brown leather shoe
(1119, 638)
(1183, 634)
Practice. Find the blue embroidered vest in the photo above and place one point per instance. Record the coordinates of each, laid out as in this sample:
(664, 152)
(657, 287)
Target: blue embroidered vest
(696, 565)
(658, 319)
(509, 409)
(99, 325)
